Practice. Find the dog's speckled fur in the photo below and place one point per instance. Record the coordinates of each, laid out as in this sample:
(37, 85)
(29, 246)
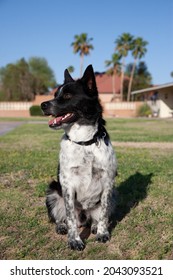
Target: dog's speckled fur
(84, 190)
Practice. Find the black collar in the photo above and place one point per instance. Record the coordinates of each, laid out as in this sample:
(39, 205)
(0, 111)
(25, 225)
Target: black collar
(102, 134)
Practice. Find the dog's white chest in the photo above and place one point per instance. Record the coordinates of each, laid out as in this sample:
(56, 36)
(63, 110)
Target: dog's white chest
(86, 170)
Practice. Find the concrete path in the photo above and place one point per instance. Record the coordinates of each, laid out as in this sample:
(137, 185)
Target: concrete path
(5, 127)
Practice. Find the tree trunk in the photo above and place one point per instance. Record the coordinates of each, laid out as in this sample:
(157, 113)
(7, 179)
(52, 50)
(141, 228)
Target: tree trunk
(113, 85)
(122, 79)
(81, 64)
(131, 80)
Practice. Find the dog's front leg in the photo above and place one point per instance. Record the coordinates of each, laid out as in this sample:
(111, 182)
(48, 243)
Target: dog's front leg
(74, 240)
(103, 234)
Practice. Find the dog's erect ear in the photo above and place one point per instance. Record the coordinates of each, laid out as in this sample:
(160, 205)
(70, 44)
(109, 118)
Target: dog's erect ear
(89, 79)
(67, 77)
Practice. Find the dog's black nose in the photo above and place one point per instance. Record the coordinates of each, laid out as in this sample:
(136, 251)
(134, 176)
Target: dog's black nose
(44, 105)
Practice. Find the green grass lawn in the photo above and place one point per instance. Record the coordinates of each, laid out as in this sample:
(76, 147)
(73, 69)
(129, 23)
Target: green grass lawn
(142, 228)
(141, 130)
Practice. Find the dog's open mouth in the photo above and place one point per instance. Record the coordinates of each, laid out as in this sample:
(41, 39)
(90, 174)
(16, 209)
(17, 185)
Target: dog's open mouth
(58, 121)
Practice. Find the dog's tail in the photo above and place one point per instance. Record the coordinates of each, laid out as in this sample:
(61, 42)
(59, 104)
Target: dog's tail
(54, 186)
(53, 195)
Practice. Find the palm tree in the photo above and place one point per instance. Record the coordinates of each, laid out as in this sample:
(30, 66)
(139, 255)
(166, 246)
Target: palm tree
(115, 68)
(138, 51)
(82, 46)
(123, 46)
(70, 69)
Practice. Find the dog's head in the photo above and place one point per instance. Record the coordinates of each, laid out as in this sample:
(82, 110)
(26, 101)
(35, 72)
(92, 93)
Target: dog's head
(74, 101)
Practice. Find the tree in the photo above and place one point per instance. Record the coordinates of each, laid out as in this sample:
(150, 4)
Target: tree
(142, 77)
(16, 81)
(43, 76)
(9, 81)
(22, 80)
(115, 68)
(70, 69)
(171, 74)
(25, 80)
(138, 51)
(82, 46)
(123, 46)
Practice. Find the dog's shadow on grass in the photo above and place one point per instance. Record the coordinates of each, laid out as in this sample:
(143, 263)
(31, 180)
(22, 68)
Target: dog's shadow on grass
(129, 194)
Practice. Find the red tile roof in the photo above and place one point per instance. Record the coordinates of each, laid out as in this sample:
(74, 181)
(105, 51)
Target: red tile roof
(52, 92)
(104, 83)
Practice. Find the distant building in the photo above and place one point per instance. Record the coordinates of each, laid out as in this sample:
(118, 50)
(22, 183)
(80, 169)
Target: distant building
(160, 99)
(104, 86)
(104, 83)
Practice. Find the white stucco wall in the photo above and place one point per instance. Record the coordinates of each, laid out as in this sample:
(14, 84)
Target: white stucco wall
(160, 107)
(164, 110)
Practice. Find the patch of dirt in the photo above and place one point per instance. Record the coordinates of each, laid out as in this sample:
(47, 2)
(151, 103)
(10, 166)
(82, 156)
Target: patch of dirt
(12, 179)
(151, 145)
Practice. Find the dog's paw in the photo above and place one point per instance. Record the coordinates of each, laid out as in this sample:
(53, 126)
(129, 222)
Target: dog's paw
(61, 228)
(94, 229)
(76, 245)
(103, 237)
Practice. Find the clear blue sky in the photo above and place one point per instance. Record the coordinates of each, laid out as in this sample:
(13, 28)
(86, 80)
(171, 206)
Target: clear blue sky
(46, 28)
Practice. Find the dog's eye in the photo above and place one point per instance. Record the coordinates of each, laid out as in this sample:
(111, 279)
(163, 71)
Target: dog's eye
(67, 95)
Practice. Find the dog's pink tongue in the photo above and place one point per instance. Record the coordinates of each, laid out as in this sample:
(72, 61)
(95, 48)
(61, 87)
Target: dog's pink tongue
(55, 121)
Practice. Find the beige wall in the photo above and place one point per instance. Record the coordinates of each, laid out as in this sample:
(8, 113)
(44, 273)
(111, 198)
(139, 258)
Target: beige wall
(164, 104)
(121, 109)
(14, 114)
(21, 109)
(111, 109)
(41, 98)
(15, 109)
(166, 95)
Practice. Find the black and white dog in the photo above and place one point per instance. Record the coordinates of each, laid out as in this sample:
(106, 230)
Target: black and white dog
(86, 172)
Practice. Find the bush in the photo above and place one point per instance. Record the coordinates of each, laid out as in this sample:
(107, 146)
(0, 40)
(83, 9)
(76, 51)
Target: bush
(144, 110)
(35, 110)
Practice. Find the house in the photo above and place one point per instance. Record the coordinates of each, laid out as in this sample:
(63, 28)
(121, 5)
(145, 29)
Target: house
(105, 86)
(159, 98)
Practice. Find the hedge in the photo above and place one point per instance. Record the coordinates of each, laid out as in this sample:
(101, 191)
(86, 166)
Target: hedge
(35, 110)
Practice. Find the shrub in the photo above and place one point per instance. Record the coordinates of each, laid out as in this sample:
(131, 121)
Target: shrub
(35, 110)
(144, 110)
